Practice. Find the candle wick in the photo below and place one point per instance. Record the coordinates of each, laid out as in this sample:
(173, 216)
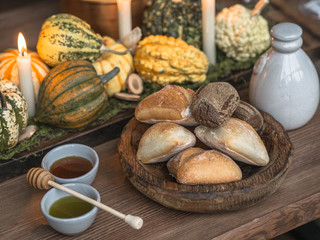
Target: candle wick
(24, 52)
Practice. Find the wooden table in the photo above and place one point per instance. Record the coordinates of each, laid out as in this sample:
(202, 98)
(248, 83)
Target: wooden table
(295, 203)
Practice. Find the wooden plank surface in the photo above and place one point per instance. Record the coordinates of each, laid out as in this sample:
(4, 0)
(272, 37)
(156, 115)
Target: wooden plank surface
(26, 17)
(294, 11)
(295, 203)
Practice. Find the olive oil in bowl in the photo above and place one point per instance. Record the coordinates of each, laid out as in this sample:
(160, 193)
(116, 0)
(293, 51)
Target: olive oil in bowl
(69, 207)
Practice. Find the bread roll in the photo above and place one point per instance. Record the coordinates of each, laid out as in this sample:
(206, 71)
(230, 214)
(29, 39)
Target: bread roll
(249, 114)
(198, 166)
(214, 104)
(237, 139)
(163, 140)
(178, 159)
(171, 103)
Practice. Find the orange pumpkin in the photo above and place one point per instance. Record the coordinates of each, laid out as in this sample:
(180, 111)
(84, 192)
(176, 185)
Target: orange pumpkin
(9, 69)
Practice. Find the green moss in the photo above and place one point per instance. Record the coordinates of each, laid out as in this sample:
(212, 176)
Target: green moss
(224, 67)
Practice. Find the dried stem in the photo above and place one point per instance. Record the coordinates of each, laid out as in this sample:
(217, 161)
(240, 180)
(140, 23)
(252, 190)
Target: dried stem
(258, 7)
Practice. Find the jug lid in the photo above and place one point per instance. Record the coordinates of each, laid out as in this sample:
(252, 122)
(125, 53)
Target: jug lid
(286, 31)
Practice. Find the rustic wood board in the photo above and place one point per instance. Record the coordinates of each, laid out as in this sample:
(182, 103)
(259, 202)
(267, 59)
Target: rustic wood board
(154, 180)
(92, 137)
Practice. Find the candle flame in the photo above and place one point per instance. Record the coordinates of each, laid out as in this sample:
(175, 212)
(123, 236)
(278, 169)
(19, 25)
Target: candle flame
(22, 45)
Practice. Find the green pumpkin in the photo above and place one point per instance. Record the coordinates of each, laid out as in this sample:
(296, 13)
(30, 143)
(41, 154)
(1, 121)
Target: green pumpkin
(72, 95)
(13, 114)
(179, 19)
(65, 37)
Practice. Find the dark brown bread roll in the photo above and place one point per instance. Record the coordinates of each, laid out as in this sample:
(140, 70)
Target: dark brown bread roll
(214, 104)
(249, 114)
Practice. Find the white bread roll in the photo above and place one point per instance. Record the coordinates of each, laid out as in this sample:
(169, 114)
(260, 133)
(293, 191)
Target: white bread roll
(178, 159)
(237, 139)
(198, 166)
(163, 140)
(171, 103)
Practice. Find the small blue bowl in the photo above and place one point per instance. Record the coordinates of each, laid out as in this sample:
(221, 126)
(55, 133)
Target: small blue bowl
(70, 226)
(67, 150)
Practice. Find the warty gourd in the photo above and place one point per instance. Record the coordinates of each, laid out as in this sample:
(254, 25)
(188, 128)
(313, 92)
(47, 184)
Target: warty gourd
(174, 18)
(13, 114)
(166, 60)
(240, 34)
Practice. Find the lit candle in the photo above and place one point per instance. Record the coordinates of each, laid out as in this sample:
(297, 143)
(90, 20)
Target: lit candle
(124, 17)
(25, 75)
(208, 25)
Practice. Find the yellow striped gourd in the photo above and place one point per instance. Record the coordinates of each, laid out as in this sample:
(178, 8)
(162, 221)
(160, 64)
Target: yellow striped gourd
(65, 37)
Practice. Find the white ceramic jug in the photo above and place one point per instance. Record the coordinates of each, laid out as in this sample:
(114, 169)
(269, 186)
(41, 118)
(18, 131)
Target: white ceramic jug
(284, 82)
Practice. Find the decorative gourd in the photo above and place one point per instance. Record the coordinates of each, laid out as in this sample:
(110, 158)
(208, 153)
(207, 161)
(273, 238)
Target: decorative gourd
(65, 37)
(240, 33)
(110, 60)
(9, 69)
(13, 114)
(174, 18)
(166, 60)
(72, 95)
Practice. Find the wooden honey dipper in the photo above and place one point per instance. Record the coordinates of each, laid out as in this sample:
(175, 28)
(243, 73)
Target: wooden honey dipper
(41, 179)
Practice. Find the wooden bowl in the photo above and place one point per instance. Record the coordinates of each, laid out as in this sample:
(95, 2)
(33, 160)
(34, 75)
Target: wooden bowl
(258, 182)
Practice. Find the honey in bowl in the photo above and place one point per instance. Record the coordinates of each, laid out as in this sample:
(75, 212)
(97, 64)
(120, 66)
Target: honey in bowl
(71, 167)
(69, 207)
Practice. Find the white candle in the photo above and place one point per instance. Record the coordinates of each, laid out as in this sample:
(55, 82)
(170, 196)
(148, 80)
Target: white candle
(124, 17)
(25, 75)
(208, 25)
